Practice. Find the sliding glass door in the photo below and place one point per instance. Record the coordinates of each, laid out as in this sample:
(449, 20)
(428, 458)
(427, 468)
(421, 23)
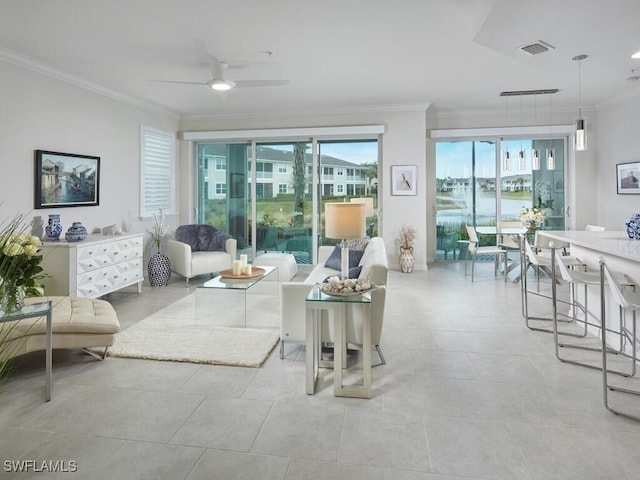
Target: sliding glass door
(478, 184)
(283, 183)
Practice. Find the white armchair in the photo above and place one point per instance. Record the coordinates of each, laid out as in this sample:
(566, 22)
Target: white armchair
(200, 249)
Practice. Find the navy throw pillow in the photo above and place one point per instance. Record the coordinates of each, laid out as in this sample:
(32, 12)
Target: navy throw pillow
(335, 259)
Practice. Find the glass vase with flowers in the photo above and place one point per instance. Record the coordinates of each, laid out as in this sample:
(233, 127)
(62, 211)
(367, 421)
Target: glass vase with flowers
(532, 218)
(20, 267)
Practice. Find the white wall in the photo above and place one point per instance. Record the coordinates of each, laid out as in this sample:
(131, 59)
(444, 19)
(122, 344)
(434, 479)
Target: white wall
(618, 142)
(38, 112)
(402, 144)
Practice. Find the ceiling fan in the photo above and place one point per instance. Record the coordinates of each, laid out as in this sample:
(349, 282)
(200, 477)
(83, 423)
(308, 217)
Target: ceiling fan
(220, 83)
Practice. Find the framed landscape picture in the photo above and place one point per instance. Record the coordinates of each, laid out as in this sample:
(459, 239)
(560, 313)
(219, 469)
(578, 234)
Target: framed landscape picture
(66, 180)
(403, 179)
(628, 178)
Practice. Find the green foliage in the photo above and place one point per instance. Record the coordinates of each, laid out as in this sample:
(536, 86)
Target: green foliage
(20, 265)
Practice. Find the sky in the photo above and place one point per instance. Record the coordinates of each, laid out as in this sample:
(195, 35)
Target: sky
(453, 159)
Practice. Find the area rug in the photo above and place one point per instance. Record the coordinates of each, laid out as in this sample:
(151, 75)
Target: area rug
(180, 333)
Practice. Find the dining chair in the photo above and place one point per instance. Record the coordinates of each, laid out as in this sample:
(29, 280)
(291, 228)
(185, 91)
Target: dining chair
(627, 300)
(475, 249)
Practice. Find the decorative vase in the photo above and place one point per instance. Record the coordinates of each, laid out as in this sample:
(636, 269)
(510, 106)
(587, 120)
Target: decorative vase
(407, 260)
(532, 227)
(76, 233)
(159, 270)
(633, 226)
(12, 296)
(53, 228)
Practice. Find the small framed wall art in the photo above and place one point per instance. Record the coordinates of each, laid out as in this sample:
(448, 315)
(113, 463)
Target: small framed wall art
(403, 179)
(628, 178)
(66, 180)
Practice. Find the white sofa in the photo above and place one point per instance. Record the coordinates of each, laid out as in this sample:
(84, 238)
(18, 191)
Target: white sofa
(188, 261)
(293, 294)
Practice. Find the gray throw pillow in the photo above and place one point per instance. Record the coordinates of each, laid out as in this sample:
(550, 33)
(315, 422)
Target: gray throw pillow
(335, 259)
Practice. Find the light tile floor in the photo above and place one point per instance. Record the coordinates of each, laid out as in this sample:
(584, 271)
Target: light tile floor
(467, 392)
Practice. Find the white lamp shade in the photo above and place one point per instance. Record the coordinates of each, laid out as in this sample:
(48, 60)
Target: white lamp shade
(368, 205)
(344, 220)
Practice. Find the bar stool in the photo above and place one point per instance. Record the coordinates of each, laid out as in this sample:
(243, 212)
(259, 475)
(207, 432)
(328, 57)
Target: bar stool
(539, 261)
(627, 300)
(575, 278)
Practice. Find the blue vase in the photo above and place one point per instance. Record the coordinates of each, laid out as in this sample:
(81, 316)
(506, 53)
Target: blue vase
(633, 227)
(76, 233)
(53, 228)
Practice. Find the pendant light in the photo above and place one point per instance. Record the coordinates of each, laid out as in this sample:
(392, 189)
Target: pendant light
(535, 154)
(580, 143)
(535, 159)
(551, 161)
(506, 157)
(522, 160)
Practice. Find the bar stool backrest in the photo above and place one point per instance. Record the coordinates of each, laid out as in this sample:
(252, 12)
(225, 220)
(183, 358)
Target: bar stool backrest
(560, 265)
(614, 287)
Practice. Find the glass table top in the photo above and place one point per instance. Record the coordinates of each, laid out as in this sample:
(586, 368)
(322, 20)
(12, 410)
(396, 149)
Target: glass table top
(236, 283)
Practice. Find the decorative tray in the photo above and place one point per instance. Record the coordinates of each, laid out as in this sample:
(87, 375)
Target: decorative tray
(339, 289)
(255, 272)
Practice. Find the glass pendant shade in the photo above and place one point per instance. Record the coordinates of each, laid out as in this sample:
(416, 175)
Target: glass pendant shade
(551, 162)
(581, 135)
(522, 160)
(535, 159)
(506, 164)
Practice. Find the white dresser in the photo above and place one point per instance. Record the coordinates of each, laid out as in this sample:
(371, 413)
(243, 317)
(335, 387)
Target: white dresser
(99, 265)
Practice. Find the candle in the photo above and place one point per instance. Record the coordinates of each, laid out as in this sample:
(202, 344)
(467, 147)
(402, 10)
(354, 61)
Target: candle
(237, 267)
(243, 260)
(246, 270)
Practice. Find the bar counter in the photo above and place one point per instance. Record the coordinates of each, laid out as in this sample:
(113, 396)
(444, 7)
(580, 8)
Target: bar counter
(620, 253)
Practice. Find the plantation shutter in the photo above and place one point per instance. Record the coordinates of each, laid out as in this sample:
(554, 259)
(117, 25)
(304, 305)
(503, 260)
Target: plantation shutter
(157, 176)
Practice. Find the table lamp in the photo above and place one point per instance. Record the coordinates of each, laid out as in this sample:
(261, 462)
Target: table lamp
(368, 205)
(344, 221)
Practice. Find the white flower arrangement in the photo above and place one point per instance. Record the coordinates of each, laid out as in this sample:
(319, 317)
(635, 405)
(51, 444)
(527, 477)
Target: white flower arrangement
(530, 215)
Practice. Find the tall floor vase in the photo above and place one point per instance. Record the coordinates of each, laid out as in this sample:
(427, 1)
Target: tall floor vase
(407, 260)
(159, 270)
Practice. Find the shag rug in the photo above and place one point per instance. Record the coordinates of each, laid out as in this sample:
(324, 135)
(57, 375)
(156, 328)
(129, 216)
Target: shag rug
(183, 332)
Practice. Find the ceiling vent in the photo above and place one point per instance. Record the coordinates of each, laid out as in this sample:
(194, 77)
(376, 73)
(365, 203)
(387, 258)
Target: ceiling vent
(536, 48)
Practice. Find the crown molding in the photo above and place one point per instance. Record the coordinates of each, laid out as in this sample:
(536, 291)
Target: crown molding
(413, 107)
(28, 63)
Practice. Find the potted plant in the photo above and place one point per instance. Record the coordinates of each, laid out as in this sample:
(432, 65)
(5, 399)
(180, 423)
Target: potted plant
(405, 238)
(159, 267)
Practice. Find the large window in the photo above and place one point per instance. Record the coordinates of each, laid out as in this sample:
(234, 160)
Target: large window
(158, 171)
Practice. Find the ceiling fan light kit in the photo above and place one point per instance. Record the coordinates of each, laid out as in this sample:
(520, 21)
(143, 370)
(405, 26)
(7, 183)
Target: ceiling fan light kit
(222, 85)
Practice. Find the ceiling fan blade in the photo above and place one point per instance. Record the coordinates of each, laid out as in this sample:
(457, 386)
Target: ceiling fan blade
(216, 68)
(261, 83)
(176, 81)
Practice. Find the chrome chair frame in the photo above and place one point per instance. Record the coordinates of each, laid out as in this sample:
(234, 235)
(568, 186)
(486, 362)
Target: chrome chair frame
(528, 258)
(585, 278)
(625, 303)
(475, 249)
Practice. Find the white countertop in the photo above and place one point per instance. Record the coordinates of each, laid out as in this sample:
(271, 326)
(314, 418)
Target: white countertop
(608, 242)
